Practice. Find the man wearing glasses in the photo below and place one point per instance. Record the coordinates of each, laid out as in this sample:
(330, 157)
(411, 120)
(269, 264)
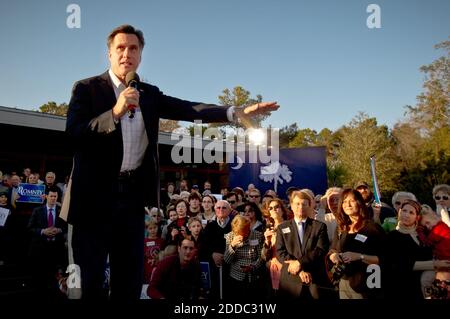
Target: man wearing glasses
(254, 196)
(215, 237)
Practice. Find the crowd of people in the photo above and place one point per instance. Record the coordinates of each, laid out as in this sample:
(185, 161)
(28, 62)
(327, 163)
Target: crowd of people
(240, 244)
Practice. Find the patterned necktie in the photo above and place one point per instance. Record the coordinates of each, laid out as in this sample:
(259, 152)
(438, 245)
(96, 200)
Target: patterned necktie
(50, 217)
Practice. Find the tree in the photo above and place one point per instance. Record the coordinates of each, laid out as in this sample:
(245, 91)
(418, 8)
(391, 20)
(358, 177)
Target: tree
(287, 134)
(304, 137)
(168, 125)
(432, 111)
(408, 144)
(239, 97)
(422, 140)
(53, 108)
(361, 139)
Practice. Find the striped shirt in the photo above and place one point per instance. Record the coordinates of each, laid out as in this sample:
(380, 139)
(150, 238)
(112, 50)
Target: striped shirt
(134, 136)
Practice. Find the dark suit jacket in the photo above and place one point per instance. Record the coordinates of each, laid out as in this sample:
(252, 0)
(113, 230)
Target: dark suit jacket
(40, 246)
(311, 254)
(98, 148)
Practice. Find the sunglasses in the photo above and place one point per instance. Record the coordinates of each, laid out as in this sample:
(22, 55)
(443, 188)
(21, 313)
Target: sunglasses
(254, 196)
(221, 207)
(231, 201)
(274, 207)
(439, 197)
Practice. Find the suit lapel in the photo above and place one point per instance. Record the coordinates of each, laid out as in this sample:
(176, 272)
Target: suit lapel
(44, 216)
(295, 240)
(306, 233)
(146, 110)
(107, 91)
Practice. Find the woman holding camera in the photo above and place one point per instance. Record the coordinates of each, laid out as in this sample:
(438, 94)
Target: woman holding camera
(358, 242)
(178, 228)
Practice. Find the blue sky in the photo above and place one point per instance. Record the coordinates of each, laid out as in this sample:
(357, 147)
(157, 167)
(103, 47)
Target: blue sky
(318, 59)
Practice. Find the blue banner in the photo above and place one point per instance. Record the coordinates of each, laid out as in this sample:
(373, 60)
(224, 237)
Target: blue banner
(206, 275)
(304, 167)
(30, 193)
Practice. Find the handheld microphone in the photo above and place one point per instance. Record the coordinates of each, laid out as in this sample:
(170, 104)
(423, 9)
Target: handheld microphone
(132, 80)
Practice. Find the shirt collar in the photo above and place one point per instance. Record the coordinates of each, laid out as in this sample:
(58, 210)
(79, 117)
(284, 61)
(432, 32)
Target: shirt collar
(224, 223)
(300, 220)
(115, 80)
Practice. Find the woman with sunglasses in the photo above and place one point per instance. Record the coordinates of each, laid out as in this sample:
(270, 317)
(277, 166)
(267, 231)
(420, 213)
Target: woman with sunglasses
(275, 214)
(441, 195)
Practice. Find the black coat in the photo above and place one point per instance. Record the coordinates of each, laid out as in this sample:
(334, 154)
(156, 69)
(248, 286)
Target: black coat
(311, 254)
(98, 146)
(40, 246)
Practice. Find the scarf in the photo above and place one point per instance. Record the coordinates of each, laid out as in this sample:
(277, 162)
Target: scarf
(411, 230)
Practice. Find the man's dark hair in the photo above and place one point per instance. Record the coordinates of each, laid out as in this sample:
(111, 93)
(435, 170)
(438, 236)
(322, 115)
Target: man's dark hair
(194, 195)
(290, 190)
(128, 29)
(53, 189)
(180, 238)
(230, 194)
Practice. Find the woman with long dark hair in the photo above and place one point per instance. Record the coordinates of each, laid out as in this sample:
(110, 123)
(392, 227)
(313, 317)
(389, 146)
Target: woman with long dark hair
(357, 243)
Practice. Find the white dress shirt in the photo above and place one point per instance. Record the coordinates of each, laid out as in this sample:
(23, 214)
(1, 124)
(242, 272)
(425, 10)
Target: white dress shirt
(301, 230)
(134, 136)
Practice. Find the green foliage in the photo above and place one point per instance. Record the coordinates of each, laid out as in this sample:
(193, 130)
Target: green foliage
(421, 179)
(304, 137)
(53, 108)
(361, 139)
(168, 125)
(239, 97)
(287, 134)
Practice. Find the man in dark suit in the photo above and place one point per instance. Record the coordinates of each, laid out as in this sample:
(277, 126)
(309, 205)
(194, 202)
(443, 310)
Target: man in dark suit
(47, 250)
(121, 151)
(301, 246)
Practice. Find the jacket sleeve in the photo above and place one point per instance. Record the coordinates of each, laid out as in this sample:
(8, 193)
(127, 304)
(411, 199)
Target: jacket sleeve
(260, 261)
(317, 254)
(157, 280)
(80, 119)
(228, 257)
(181, 110)
(33, 224)
(280, 247)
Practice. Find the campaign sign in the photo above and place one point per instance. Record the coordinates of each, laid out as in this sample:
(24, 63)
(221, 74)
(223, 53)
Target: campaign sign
(30, 193)
(206, 275)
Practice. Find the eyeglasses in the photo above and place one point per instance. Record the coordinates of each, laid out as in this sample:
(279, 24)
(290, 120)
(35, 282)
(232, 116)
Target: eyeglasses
(439, 197)
(221, 207)
(274, 207)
